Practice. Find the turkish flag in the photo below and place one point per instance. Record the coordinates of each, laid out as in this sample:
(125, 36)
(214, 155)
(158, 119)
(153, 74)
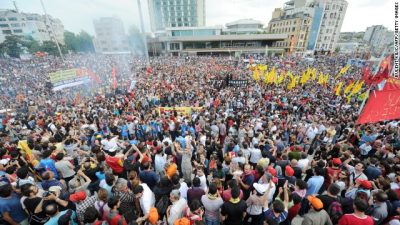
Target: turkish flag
(381, 106)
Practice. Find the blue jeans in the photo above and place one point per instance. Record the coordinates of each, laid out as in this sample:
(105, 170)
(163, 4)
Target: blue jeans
(212, 221)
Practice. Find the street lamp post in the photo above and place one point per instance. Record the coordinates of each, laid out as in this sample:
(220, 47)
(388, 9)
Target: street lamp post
(52, 30)
(143, 33)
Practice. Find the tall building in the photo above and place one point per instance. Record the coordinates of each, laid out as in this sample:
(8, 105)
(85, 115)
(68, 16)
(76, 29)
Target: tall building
(30, 24)
(110, 36)
(176, 13)
(244, 26)
(311, 25)
(378, 37)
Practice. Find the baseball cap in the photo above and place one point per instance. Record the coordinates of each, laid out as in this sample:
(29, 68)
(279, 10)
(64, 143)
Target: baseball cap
(78, 196)
(315, 202)
(272, 171)
(289, 171)
(366, 184)
(182, 221)
(336, 161)
(260, 188)
(153, 216)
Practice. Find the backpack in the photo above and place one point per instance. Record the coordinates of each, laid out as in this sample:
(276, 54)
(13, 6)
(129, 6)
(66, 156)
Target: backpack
(335, 211)
(162, 205)
(101, 210)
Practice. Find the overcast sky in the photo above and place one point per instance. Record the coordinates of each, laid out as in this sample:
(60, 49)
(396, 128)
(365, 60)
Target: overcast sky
(78, 15)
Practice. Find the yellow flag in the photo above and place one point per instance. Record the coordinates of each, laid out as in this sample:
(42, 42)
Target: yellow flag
(266, 74)
(357, 87)
(321, 78)
(338, 89)
(363, 96)
(256, 75)
(314, 74)
(349, 87)
(342, 71)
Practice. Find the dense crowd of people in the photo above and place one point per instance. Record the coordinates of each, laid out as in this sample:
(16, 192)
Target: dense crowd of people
(253, 154)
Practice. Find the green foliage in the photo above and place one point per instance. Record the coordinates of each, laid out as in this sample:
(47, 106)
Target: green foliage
(81, 42)
(12, 46)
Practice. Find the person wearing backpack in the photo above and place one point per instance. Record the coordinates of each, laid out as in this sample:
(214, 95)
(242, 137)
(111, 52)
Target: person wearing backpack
(113, 217)
(332, 203)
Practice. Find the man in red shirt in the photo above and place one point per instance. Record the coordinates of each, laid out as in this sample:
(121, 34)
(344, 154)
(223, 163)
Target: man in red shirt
(333, 172)
(358, 217)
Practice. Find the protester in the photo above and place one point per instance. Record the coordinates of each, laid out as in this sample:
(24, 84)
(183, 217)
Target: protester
(125, 147)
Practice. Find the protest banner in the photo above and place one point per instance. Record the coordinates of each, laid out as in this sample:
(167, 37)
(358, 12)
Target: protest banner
(180, 110)
(68, 78)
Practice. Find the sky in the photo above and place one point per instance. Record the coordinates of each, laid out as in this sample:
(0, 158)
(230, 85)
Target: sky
(78, 15)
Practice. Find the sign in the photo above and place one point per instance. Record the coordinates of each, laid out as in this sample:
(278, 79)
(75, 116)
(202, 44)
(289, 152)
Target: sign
(69, 78)
(381, 106)
(133, 84)
(180, 110)
(238, 83)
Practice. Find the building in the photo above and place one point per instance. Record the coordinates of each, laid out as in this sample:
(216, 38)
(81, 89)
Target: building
(244, 26)
(379, 38)
(110, 36)
(176, 13)
(212, 41)
(33, 25)
(311, 25)
(296, 26)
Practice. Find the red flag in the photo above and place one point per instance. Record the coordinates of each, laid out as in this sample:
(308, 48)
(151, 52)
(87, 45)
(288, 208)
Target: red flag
(383, 72)
(148, 70)
(381, 106)
(392, 84)
(114, 76)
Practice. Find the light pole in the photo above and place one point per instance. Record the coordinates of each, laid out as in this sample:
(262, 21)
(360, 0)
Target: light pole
(146, 53)
(52, 30)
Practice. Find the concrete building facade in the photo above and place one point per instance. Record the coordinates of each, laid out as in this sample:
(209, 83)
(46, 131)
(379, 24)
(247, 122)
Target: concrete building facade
(311, 25)
(176, 13)
(212, 41)
(244, 26)
(30, 24)
(110, 36)
(379, 38)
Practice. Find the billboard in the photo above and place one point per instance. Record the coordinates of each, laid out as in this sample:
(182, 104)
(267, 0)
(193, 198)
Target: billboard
(69, 78)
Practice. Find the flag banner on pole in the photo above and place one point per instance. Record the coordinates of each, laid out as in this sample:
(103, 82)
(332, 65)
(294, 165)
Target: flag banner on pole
(114, 77)
(392, 83)
(381, 106)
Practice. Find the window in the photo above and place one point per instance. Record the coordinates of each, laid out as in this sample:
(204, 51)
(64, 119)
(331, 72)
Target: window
(15, 25)
(293, 29)
(6, 31)
(18, 31)
(4, 25)
(12, 18)
(2, 19)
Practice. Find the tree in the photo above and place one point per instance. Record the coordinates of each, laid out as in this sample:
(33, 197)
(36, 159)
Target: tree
(81, 42)
(71, 41)
(12, 46)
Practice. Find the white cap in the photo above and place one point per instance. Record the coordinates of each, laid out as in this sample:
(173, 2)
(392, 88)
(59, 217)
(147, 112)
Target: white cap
(260, 188)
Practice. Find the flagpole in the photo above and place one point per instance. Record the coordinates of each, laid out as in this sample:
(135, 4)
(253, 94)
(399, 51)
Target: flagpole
(52, 30)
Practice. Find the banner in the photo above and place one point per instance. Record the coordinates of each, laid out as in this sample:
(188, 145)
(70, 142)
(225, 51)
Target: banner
(180, 110)
(69, 78)
(381, 106)
(238, 83)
